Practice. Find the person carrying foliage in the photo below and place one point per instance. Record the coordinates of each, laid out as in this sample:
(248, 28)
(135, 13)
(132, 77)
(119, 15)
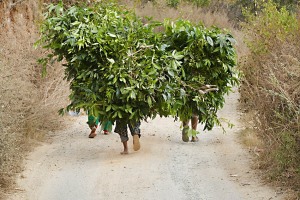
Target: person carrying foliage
(122, 69)
(208, 72)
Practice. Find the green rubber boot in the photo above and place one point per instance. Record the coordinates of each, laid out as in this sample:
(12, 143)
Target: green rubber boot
(185, 136)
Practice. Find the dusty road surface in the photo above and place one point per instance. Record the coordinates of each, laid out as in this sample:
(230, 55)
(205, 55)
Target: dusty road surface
(74, 167)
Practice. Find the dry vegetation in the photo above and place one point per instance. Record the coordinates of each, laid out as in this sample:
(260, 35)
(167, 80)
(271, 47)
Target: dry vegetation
(271, 90)
(28, 103)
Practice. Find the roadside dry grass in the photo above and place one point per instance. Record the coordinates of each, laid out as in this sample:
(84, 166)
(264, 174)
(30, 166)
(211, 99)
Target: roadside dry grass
(28, 103)
(271, 89)
(252, 139)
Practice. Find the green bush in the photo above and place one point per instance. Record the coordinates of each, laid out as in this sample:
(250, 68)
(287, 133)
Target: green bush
(270, 26)
(173, 3)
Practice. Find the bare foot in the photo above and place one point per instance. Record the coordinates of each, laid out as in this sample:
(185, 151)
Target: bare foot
(136, 142)
(124, 152)
(195, 139)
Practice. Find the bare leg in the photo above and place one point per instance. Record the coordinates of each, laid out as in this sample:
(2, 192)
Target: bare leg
(194, 122)
(125, 148)
(121, 129)
(194, 127)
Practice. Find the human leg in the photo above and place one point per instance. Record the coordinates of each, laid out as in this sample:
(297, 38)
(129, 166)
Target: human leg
(125, 146)
(136, 134)
(106, 127)
(121, 129)
(93, 124)
(194, 127)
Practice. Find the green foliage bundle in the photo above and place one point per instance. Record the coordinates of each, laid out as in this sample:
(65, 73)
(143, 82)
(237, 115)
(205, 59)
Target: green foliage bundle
(209, 58)
(120, 68)
(117, 65)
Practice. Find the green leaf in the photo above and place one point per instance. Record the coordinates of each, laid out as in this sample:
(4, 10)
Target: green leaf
(119, 114)
(112, 61)
(178, 56)
(171, 72)
(149, 101)
(108, 108)
(132, 95)
(210, 41)
(112, 35)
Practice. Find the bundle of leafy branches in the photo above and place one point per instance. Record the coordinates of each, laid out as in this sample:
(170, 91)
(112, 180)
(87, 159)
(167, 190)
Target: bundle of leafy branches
(209, 58)
(120, 68)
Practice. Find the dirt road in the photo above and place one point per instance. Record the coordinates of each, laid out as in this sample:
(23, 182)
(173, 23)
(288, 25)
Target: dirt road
(72, 166)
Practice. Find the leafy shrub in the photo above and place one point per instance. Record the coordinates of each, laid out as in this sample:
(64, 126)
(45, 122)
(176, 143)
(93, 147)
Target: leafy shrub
(173, 3)
(273, 25)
